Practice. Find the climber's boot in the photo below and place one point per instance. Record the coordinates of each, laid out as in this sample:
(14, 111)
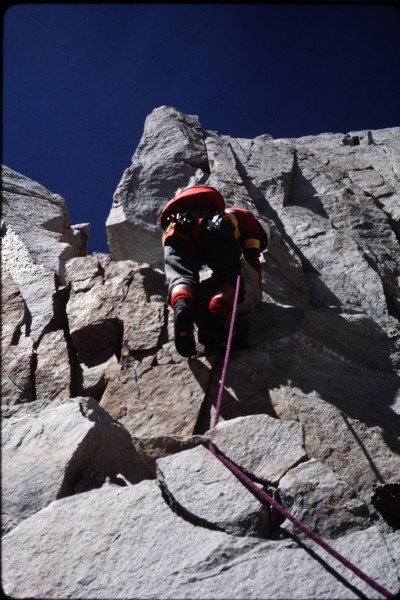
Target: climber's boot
(212, 334)
(212, 331)
(183, 328)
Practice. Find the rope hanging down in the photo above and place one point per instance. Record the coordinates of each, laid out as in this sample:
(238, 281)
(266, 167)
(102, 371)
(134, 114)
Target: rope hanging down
(227, 353)
(261, 493)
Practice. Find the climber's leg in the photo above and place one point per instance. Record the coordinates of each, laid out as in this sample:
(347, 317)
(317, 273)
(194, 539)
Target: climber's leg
(182, 275)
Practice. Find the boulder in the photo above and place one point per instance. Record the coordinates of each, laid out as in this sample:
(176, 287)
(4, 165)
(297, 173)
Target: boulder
(17, 353)
(203, 491)
(49, 448)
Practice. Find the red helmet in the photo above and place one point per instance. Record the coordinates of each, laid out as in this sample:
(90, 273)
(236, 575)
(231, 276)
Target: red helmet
(198, 195)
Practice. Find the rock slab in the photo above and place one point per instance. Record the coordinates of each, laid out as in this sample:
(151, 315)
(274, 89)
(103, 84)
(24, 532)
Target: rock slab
(172, 558)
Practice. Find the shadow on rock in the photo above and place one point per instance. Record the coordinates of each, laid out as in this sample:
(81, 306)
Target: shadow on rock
(347, 359)
(246, 388)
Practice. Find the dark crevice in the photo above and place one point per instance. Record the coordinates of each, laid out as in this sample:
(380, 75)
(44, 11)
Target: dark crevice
(386, 500)
(60, 301)
(27, 320)
(16, 335)
(257, 197)
(181, 512)
(63, 296)
(302, 193)
(154, 284)
(32, 370)
(203, 421)
(101, 271)
(163, 339)
(199, 163)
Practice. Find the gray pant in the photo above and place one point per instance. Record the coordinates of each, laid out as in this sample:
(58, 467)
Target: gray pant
(216, 248)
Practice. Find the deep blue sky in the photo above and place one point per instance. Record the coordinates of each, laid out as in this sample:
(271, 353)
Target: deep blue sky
(80, 79)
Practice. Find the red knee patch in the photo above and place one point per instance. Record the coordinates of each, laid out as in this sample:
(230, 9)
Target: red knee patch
(178, 295)
(219, 307)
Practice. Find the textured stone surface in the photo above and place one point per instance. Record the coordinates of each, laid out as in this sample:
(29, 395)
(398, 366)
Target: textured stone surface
(36, 243)
(318, 498)
(53, 369)
(201, 489)
(47, 452)
(361, 455)
(132, 225)
(107, 297)
(104, 557)
(319, 194)
(17, 382)
(169, 395)
(311, 406)
(260, 445)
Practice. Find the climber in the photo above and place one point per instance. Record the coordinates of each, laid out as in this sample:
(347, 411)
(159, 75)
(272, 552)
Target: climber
(200, 231)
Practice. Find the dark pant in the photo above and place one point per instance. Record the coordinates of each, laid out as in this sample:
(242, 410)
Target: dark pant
(216, 248)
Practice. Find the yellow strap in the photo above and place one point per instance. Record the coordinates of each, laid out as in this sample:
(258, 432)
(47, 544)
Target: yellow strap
(234, 222)
(249, 243)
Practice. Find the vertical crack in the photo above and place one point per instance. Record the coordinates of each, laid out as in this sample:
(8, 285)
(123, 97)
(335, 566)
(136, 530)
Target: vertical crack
(32, 370)
(101, 271)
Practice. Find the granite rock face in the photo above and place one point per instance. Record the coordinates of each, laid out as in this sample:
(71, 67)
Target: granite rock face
(67, 445)
(37, 241)
(106, 429)
(333, 207)
(173, 558)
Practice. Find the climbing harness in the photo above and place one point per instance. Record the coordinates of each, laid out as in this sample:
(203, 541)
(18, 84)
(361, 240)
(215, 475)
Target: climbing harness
(261, 493)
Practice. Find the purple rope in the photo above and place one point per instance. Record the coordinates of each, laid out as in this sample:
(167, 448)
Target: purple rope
(227, 353)
(263, 495)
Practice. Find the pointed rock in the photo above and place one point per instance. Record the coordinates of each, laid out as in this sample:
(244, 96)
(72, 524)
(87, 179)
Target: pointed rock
(36, 244)
(152, 179)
